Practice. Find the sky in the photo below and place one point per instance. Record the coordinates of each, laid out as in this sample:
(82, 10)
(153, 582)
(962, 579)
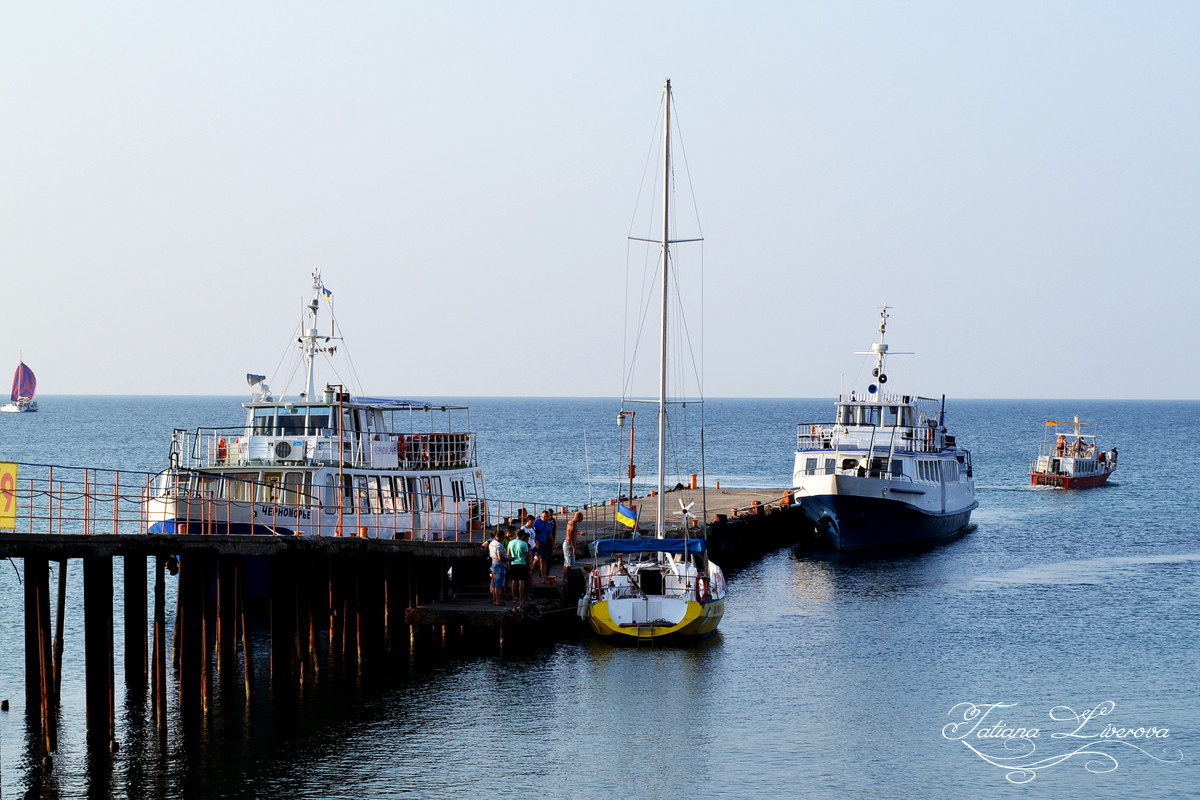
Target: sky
(1019, 181)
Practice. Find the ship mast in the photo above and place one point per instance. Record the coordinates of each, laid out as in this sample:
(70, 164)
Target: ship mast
(662, 367)
(310, 342)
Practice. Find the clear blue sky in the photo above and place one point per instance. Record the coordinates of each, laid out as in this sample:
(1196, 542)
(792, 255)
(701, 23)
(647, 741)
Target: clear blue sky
(1019, 180)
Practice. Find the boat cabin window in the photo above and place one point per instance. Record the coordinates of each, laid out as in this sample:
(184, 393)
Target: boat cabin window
(829, 464)
(373, 493)
(432, 487)
(347, 494)
(242, 487)
(849, 463)
(383, 486)
(293, 489)
(845, 415)
(264, 421)
(891, 415)
(810, 466)
(268, 490)
(399, 495)
(457, 491)
(897, 468)
(329, 494)
(364, 500)
(906, 416)
(318, 421)
(870, 415)
(414, 494)
(290, 423)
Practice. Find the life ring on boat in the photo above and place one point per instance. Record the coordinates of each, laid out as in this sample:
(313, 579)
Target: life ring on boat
(813, 430)
(702, 593)
(222, 451)
(596, 584)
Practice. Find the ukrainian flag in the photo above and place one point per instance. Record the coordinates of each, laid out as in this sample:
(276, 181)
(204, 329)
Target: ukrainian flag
(328, 294)
(627, 516)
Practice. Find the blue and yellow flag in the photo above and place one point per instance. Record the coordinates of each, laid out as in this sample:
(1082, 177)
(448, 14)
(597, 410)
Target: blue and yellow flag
(328, 294)
(626, 516)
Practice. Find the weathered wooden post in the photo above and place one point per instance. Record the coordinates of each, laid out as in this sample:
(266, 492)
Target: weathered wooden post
(283, 623)
(226, 618)
(159, 673)
(33, 652)
(98, 652)
(189, 629)
(135, 622)
(59, 619)
(244, 624)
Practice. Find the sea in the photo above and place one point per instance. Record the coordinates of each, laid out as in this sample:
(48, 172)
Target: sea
(1052, 651)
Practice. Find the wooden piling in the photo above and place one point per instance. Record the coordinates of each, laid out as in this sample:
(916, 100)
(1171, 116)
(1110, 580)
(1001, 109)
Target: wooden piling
(135, 622)
(336, 608)
(189, 634)
(207, 617)
(283, 623)
(33, 653)
(98, 653)
(226, 618)
(49, 709)
(159, 672)
(60, 613)
(243, 623)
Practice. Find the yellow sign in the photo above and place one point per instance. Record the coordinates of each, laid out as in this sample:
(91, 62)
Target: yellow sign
(8, 495)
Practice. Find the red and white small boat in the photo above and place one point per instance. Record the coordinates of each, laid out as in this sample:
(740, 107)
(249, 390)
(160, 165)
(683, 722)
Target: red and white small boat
(1070, 459)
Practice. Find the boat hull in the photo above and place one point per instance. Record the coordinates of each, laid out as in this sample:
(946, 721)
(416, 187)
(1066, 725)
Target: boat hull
(851, 522)
(1068, 481)
(699, 619)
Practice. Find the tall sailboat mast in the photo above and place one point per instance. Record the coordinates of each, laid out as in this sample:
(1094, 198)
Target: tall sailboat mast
(660, 520)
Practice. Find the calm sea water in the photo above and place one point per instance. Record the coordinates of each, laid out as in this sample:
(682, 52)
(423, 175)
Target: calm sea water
(830, 677)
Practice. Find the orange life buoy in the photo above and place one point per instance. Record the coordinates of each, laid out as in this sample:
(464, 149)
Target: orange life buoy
(702, 589)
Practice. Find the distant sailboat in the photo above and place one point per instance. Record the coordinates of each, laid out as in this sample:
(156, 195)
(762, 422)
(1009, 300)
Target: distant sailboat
(23, 389)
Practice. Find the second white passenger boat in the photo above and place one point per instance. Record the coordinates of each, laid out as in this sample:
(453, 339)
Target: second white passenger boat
(325, 463)
(886, 473)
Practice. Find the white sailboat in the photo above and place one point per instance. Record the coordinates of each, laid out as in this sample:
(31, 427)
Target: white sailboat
(655, 588)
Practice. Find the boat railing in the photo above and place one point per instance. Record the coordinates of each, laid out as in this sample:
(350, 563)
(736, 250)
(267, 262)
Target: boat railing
(908, 439)
(207, 448)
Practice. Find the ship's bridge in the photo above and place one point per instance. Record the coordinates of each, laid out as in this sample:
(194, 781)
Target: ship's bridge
(371, 433)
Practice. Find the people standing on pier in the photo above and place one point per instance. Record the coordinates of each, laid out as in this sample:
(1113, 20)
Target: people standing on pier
(499, 554)
(572, 536)
(536, 550)
(552, 539)
(543, 536)
(510, 536)
(518, 558)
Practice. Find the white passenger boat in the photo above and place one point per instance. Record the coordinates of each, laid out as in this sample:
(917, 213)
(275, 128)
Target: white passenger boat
(886, 472)
(661, 587)
(325, 463)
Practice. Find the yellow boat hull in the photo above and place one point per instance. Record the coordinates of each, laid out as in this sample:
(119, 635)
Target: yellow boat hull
(700, 619)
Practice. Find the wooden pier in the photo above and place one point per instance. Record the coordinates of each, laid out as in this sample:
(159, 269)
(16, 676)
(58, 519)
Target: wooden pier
(329, 599)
